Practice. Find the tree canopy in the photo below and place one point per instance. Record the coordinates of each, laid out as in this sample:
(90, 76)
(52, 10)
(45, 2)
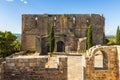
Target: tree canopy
(8, 44)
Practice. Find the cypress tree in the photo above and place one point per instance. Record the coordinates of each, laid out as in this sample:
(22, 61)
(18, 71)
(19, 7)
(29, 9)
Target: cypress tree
(118, 36)
(52, 39)
(89, 37)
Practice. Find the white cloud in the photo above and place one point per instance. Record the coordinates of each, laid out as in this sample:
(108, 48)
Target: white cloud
(9, 0)
(24, 1)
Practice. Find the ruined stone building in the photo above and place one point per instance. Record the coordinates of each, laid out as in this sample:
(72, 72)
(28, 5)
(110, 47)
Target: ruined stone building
(70, 31)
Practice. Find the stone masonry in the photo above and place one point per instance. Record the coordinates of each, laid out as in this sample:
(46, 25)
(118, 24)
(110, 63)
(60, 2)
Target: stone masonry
(110, 64)
(33, 69)
(69, 28)
(99, 63)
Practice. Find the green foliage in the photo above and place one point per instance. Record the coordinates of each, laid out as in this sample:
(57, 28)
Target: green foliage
(107, 40)
(52, 39)
(17, 46)
(89, 37)
(8, 44)
(82, 51)
(110, 40)
(118, 36)
(111, 43)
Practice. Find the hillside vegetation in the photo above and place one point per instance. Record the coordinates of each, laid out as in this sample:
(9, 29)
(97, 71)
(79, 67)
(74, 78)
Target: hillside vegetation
(110, 40)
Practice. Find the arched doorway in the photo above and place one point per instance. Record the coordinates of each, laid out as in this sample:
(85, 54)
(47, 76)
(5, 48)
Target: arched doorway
(60, 46)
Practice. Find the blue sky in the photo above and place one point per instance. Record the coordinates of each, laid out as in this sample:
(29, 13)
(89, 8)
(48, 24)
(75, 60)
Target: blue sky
(11, 11)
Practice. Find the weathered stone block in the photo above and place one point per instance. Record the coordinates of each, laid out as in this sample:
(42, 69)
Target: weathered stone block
(11, 64)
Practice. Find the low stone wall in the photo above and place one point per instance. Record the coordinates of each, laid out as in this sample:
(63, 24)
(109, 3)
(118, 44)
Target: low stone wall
(33, 69)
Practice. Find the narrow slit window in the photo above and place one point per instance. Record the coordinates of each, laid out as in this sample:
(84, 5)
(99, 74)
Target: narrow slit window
(74, 19)
(36, 20)
(54, 21)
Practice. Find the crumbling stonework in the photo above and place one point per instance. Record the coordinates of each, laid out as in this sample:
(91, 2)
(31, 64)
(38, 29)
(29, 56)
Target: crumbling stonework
(99, 63)
(68, 29)
(110, 68)
(33, 69)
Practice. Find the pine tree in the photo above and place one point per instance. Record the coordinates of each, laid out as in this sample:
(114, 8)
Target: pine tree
(89, 37)
(118, 36)
(52, 40)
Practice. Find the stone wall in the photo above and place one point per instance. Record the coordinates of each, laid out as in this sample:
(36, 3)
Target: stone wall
(110, 68)
(99, 63)
(33, 69)
(68, 29)
(1, 69)
(82, 44)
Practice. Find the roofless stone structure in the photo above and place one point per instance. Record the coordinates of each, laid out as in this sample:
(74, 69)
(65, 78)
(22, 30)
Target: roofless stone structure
(70, 31)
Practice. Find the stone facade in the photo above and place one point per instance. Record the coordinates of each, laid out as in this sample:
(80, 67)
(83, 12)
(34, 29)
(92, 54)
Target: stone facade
(32, 69)
(68, 29)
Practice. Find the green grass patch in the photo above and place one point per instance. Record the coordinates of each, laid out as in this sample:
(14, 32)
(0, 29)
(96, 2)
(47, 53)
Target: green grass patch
(82, 51)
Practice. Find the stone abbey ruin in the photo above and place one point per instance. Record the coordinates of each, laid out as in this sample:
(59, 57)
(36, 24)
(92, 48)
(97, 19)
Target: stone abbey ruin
(98, 63)
(70, 31)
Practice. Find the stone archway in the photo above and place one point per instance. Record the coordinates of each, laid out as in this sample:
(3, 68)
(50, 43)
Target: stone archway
(60, 46)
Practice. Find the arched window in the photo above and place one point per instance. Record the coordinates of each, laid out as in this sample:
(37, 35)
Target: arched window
(100, 60)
